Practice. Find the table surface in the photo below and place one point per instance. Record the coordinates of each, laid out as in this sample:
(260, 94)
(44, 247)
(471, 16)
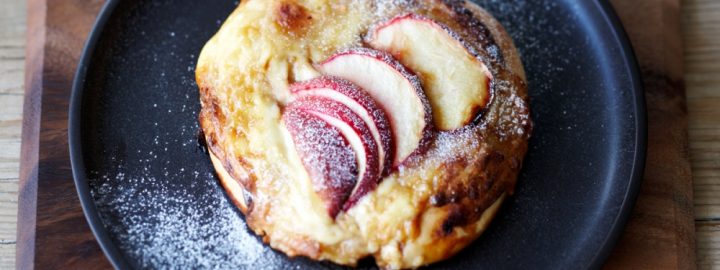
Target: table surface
(701, 36)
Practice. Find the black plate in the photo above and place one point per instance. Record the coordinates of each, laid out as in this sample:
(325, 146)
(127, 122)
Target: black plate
(151, 197)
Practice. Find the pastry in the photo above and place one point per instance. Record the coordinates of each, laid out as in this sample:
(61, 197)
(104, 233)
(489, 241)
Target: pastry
(346, 129)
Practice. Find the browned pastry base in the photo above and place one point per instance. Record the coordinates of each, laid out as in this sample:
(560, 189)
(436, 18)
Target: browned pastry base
(235, 191)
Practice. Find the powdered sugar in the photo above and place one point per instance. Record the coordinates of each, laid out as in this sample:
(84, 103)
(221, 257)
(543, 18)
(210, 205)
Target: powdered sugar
(326, 155)
(359, 136)
(384, 7)
(360, 102)
(164, 227)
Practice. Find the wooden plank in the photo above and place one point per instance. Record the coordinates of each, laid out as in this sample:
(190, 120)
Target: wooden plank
(701, 28)
(708, 245)
(63, 239)
(661, 232)
(12, 61)
(53, 232)
(7, 256)
(701, 23)
(27, 196)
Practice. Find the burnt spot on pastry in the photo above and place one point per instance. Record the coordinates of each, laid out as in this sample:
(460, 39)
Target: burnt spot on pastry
(455, 217)
(292, 17)
(494, 157)
(475, 28)
(473, 193)
(201, 142)
(482, 111)
(471, 186)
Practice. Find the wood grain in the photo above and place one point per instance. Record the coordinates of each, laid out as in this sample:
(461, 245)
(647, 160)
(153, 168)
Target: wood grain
(703, 82)
(701, 25)
(54, 233)
(30, 130)
(661, 232)
(708, 244)
(701, 28)
(12, 60)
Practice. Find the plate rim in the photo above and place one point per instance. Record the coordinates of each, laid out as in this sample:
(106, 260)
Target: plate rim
(77, 162)
(637, 172)
(118, 261)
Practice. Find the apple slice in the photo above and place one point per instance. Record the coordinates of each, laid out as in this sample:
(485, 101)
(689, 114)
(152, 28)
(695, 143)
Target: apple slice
(359, 102)
(354, 129)
(395, 89)
(326, 155)
(455, 80)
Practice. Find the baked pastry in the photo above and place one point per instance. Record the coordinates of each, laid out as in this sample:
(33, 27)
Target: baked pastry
(346, 129)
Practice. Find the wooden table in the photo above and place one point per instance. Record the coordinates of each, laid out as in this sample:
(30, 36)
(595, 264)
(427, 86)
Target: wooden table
(12, 63)
(701, 25)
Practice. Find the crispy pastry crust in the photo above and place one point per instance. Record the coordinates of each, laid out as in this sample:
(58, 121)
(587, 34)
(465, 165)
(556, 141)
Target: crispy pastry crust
(430, 209)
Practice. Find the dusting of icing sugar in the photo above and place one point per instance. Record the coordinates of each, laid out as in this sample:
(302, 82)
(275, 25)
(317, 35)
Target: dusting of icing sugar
(382, 8)
(326, 155)
(358, 101)
(162, 227)
(323, 147)
(358, 133)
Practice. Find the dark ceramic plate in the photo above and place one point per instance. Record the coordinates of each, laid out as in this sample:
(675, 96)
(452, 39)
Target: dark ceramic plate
(151, 197)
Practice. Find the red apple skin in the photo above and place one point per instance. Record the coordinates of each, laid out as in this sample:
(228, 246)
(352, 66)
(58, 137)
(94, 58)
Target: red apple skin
(369, 179)
(379, 26)
(428, 132)
(373, 110)
(367, 39)
(326, 155)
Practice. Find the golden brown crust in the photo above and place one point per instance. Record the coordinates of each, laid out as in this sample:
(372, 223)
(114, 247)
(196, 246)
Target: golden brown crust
(232, 187)
(292, 17)
(434, 206)
(509, 51)
(446, 246)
